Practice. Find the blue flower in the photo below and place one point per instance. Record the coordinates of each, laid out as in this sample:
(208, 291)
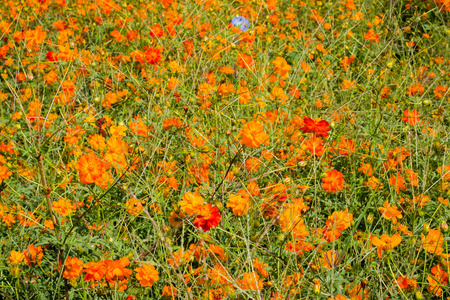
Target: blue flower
(240, 22)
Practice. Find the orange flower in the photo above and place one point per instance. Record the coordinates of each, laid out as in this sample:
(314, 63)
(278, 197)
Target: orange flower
(433, 242)
(116, 272)
(169, 291)
(192, 203)
(403, 229)
(291, 221)
(33, 255)
(4, 173)
(147, 275)
(374, 183)
(385, 242)
(371, 36)
(421, 200)
(94, 271)
(281, 67)
(251, 281)
(134, 206)
(208, 217)
(346, 146)
(91, 169)
(64, 207)
(336, 224)
(397, 181)
(239, 203)
(15, 258)
(172, 122)
(72, 268)
(444, 171)
(390, 212)
(406, 283)
(437, 281)
(333, 182)
(411, 117)
(253, 134)
(175, 219)
(245, 61)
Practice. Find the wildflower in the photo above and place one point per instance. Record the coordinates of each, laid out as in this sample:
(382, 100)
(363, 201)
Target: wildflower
(4, 173)
(153, 55)
(346, 146)
(147, 275)
(411, 117)
(374, 183)
(217, 252)
(64, 207)
(97, 142)
(406, 283)
(437, 281)
(292, 222)
(117, 273)
(390, 212)
(281, 67)
(245, 61)
(371, 36)
(252, 164)
(94, 271)
(253, 134)
(385, 242)
(403, 229)
(15, 258)
(348, 84)
(72, 267)
(239, 203)
(169, 291)
(336, 224)
(444, 171)
(192, 203)
(251, 281)
(397, 181)
(134, 206)
(91, 168)
(433, 242)
(333, 182)
(208, 217)
(33, 255)
(319, 128)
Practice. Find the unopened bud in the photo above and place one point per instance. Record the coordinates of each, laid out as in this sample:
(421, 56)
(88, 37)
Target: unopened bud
(444, 226)
(316, 286)
(426, 228)
(370, 219)
(419, 295)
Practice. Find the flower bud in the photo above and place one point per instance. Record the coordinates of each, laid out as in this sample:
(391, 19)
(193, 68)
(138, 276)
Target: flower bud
(426, 228)
(419, 295)
(444, 226)
(316, 286)
(370, 219)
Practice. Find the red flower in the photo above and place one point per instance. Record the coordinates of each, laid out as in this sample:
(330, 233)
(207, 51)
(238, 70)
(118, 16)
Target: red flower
(320, 128)
(153, 55)
(207, 218)
(51, 56)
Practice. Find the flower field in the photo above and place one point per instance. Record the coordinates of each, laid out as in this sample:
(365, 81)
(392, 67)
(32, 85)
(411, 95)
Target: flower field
(205, 149)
